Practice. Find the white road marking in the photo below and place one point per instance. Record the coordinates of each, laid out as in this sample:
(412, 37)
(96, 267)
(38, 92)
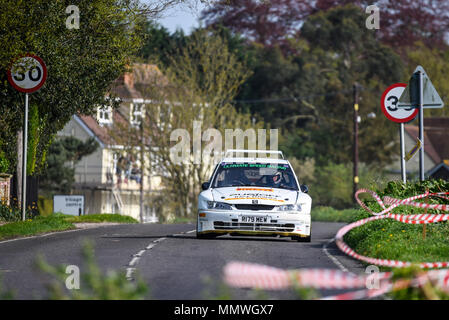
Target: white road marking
(129, 273)
(136, 257)
(141, 252)
(333, 259)
(183, 233)
(134, 261)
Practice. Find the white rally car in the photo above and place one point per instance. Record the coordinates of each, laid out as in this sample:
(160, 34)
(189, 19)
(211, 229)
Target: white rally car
(254, 196)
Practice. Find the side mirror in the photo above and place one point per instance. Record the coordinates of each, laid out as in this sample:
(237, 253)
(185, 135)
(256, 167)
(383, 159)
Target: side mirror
(304, 188)
(205, 186)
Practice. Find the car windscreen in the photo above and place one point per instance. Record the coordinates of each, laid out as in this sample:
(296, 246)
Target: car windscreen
(271, 175)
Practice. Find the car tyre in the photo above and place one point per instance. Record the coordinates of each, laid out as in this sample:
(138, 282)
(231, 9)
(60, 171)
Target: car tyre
(205, 236)
(303, 239)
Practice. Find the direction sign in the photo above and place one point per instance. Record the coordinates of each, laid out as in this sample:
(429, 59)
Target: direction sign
(27, 74)
(389, 102)
(410, 96)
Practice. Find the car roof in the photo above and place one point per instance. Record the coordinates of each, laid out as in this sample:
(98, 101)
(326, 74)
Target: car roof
(254, 160)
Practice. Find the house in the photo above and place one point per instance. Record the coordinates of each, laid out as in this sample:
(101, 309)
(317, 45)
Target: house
(436, 149)
(110, 178)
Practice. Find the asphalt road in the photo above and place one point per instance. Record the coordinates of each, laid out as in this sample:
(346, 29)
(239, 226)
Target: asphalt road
(169, 258)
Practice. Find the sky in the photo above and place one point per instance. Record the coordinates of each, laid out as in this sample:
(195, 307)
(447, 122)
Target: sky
(182, 17)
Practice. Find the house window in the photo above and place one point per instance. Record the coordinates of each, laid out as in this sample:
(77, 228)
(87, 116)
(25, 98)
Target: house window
(104, 115)
(137, 113)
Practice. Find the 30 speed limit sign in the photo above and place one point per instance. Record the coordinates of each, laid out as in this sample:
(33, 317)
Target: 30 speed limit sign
(27, 74)
(389, 101)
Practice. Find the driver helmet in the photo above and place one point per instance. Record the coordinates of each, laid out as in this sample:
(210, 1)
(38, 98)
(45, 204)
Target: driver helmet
(277, 177)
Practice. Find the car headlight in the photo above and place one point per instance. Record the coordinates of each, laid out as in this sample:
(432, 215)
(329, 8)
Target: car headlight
(218, 205)
(289, 207)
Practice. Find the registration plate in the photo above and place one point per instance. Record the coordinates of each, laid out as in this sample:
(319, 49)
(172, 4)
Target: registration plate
(254, 219)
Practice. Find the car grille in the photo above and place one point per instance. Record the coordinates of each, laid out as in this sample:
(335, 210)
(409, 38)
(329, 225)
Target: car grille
(254, 207)
(221, 225)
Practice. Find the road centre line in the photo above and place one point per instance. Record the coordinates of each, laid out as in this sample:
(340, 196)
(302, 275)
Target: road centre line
(131, 268)
(334, 259)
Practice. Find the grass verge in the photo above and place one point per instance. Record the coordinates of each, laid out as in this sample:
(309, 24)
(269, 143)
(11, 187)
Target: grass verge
(390, 239)
(330, 214)
(101, 218)
(55, 222)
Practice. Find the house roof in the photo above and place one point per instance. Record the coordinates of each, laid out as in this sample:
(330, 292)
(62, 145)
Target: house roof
(131, 85)
(436, 137)
(101, 132)
(126, 88)
(439, 167)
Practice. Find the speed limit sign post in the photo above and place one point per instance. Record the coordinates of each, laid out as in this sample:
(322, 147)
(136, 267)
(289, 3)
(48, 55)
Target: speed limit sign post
(388, 103)
(27, 74)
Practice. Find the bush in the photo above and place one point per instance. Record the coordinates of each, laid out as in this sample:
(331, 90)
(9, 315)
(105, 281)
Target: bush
(45, 206)
(11, 213)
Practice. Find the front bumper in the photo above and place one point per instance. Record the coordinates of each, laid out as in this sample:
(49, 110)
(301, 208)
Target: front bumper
(282, 224)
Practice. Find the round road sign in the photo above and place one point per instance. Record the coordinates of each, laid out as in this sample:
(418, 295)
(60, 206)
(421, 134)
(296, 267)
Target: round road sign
(389, 101)
(28, 73)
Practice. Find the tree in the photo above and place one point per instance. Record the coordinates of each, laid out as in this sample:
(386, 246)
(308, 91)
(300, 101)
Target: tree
(403, 22)
(309, 95)
(340, 52)
(81, 62)
(436, 63)
(195, 90)
(159, 44)
(264, 22)
(63, 155)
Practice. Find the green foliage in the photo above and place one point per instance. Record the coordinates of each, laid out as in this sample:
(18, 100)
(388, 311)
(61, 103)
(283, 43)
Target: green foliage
(390, 239)
(94, 283)
(33, 138)
(398, 189)
(101, 218)
(35, 226)
(82, 63)
(307, 92)
(54, 222)
(58, 177)
(159, 44)
(330, 214)
(4, 163)
(427, 292)
(332, 184)
(436, 63)
(45, 206)
(12, 213)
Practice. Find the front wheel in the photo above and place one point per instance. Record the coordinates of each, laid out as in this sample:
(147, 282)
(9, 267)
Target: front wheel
(205, 235)
(303, 239)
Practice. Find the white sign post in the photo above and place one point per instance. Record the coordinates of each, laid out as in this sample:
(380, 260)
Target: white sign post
(69, 204)
(27, 74)
(420, 94)
(388, 103)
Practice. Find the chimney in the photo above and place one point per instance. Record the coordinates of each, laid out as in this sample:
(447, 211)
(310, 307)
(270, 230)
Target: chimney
(128, 79)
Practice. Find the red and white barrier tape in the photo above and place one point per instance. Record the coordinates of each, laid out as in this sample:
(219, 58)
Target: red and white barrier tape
(248, 275)
(384, 214)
